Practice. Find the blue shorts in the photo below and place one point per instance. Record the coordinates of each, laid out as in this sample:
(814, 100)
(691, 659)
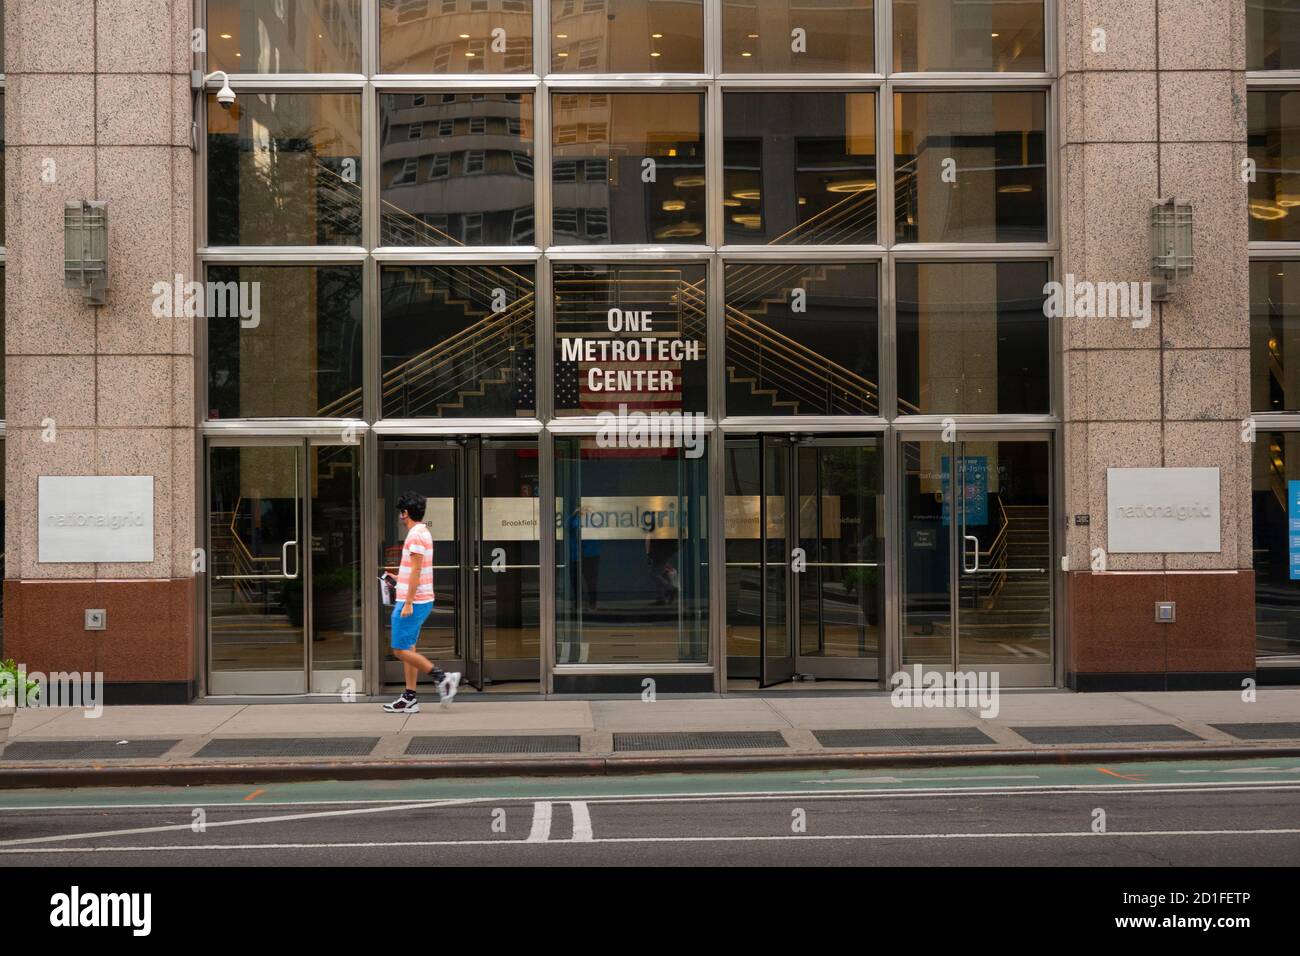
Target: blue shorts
(406, 630)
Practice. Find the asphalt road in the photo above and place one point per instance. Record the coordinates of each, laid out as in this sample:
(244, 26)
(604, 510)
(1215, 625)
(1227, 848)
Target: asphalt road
(1243, 813)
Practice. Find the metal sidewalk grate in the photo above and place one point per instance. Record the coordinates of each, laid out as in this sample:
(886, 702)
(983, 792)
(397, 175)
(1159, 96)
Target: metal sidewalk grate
(517, 744)
(85, 749)
(1118, 734)
(707, 740)
(289, 747)
(903, 737)
(1278, 730)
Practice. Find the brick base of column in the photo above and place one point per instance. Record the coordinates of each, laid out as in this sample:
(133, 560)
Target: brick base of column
(1115, 643)
(146, 653)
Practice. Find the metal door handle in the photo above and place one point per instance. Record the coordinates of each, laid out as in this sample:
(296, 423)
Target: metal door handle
(284, 560)
(968, 568)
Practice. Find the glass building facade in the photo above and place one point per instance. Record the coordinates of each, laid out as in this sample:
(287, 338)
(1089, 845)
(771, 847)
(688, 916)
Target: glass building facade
(808, 238)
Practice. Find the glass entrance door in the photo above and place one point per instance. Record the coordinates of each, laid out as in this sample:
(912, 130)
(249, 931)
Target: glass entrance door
(977, 556)
(482, 513)
(805, 570)
(283, 564)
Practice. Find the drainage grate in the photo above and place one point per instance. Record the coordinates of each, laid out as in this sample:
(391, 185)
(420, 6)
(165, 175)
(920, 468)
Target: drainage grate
(85, 749)
(734, 740)
(1120, 734)
(519, 744)
(903, 737)
(289, 747)
(1269, 731)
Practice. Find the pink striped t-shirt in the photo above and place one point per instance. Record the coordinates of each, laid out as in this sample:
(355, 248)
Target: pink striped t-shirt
(418, 541)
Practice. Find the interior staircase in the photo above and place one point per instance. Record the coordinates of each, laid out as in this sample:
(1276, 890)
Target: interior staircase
(467, 372)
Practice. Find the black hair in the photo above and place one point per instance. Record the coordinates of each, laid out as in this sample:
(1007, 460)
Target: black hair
(413, 504)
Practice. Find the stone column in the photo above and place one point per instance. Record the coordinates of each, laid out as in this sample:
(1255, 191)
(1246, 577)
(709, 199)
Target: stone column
(1159, 112)
(98, 95)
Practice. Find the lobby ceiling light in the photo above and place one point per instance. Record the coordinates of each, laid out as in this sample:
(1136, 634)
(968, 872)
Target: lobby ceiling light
(852, 186)
(1016, 188)
(1266, 211)
(688, 182)
(674, 205)
(681, 230)
(752, 194)
(748, 220)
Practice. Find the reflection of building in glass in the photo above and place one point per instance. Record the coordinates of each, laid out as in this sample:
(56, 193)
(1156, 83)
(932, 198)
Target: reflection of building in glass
(457, 169)
(614, 36)
(628, 167)
(455, 36)
(253, 36)
(808, 36)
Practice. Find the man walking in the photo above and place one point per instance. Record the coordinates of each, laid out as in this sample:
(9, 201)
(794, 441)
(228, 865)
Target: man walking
(414, 602)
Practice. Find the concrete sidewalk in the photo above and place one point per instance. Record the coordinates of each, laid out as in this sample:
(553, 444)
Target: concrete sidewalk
(211, 742)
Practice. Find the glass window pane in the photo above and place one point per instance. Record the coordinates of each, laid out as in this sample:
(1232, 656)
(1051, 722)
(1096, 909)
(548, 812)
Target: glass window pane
(1273, 142)
(631, 555)
(971, 167)
(997, 36)
(457, 341)
(799, 168)
(285, 342)
(798, 36)
(631, 335)
(285, 169)
(336, 508)
(465, 165)
(1274, 335)
(1272, 34)
(289, 36)
(1276, 466)
(447, 36)
(972, 338)
(627, 36)
(802, 339)
(628, 167)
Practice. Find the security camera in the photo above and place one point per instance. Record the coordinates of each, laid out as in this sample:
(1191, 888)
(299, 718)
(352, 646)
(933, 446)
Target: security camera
(225, 95)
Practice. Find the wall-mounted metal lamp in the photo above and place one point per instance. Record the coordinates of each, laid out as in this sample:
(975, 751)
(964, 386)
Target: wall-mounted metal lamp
(85, 249)
(1171, 245)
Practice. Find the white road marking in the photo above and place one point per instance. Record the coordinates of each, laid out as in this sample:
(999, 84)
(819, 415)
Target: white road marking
(279, 818)
(1047, 835)
(379, 805)
(541, 831)
(1021, 776)
(581, 822)
(1248, 770)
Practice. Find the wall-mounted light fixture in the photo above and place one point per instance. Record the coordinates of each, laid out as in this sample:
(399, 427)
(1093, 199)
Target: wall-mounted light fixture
(85, 248)
(1171, 245)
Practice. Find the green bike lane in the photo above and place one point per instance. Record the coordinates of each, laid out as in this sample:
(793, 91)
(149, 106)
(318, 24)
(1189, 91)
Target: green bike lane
(1185, 773)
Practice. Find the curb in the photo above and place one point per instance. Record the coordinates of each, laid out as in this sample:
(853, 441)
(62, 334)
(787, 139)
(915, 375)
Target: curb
(188, 775)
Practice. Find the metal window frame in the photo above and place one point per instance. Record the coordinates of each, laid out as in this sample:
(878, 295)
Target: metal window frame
(370, 85)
